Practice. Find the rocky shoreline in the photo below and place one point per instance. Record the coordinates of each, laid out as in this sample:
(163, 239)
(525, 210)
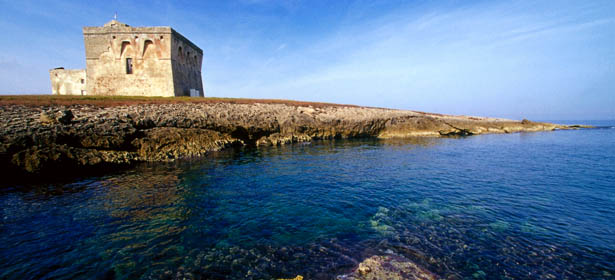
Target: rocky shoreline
(46, 139)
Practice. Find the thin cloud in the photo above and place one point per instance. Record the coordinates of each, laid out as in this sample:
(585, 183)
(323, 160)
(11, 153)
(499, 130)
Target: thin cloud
(281, 47)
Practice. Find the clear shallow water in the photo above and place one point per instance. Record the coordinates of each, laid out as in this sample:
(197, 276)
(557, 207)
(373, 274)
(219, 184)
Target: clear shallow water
(530, 205)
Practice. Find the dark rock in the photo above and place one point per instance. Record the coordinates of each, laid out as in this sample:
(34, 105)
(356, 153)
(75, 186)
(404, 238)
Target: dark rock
(65, 116)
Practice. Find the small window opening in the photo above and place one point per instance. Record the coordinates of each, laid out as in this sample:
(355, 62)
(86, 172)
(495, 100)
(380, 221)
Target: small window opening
(82, 81)
(128, 65)
(114, 37)
(136, 37)
(161, 37)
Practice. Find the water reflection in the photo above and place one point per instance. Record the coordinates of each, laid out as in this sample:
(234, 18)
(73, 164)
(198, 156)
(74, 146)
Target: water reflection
(411, 142)
(133, 195)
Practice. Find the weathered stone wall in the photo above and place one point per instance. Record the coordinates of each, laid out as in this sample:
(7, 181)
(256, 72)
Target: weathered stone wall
(186, 60)
(68, 82)
(108, 50)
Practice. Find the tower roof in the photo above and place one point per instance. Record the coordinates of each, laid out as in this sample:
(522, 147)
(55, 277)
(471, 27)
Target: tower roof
(115, 23)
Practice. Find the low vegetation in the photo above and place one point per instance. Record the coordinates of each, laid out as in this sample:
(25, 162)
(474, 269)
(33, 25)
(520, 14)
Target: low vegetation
(111, 101)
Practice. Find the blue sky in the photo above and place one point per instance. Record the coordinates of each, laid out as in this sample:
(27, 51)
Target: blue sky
(515, 59)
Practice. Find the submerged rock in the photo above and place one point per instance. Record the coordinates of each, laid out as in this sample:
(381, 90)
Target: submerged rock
(388, 267)
(378, 222)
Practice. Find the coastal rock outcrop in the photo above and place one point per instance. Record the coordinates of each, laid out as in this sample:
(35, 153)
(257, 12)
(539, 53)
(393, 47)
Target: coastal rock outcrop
(48, 138)
(388, 267)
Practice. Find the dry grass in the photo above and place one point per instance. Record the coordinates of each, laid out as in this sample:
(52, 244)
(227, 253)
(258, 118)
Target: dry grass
(110, 101)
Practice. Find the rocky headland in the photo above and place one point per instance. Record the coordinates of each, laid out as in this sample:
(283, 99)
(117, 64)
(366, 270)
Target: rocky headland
(50, 137)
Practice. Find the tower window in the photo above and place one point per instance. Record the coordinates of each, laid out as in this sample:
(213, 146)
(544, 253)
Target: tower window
(128, 65)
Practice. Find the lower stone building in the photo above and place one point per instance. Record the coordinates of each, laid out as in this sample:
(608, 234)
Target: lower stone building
(67, 82)
(137, 61)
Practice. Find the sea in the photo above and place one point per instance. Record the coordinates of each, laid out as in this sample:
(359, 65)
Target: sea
(535, 205)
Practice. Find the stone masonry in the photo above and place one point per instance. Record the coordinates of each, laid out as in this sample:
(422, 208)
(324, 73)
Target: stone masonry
(141, 61)
(67, 82)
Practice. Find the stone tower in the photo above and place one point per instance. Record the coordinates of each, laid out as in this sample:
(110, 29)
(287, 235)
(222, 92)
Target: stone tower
(142, 61)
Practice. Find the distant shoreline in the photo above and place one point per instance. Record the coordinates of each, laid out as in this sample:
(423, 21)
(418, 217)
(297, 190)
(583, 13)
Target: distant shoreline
(50, 135)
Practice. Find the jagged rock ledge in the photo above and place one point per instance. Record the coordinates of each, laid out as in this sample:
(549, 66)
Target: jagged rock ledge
(391, 267)
(38, 139)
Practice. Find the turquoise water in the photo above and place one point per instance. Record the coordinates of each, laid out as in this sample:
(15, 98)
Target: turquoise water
(529, 205)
